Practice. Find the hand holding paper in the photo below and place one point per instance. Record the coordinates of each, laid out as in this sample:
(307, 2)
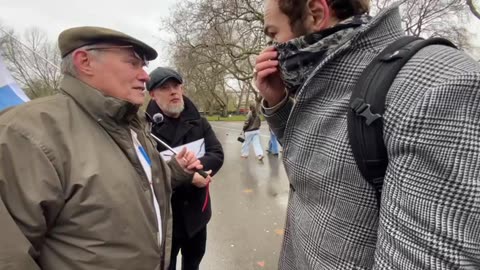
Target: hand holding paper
(188, 161)
(197, 147)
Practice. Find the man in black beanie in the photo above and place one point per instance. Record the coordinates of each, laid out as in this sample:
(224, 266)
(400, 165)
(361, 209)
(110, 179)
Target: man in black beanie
(177, 122)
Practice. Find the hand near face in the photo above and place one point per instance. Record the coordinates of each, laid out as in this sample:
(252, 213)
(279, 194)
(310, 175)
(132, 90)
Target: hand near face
(267, 77)
(188, 161)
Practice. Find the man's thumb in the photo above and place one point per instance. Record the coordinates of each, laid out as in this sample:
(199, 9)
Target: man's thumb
(181, 154)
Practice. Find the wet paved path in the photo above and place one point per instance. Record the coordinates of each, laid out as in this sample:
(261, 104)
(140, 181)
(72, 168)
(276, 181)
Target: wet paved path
(248, 207)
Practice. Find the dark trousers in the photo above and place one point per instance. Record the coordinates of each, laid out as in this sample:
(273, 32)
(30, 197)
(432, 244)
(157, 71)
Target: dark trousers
(193, 250)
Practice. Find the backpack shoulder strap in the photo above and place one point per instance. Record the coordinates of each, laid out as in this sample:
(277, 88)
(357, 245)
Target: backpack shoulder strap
(367, 103)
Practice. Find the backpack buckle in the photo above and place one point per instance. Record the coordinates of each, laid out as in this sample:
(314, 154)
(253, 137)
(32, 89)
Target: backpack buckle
(363, 109)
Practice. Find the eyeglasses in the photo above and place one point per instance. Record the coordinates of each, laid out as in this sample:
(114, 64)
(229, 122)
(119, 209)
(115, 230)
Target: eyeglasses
(138, 55)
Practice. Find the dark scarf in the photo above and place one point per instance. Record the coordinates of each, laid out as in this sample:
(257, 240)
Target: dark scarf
(299, 57)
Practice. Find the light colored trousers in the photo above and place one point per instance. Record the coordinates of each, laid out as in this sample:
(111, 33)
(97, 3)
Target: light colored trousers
(273, 144)
(252, 137)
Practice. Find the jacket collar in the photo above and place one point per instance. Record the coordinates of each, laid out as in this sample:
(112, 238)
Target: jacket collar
(381, 30)
(102, 108)
(298, 57)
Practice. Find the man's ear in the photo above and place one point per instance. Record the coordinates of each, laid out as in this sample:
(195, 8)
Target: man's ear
(82, 62)
(319, 13)
(151, 94)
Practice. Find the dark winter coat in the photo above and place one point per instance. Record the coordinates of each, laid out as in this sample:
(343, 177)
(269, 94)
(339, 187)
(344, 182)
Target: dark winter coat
(188, 200)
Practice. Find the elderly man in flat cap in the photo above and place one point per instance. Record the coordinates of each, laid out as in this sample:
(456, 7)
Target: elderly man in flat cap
(81, 183)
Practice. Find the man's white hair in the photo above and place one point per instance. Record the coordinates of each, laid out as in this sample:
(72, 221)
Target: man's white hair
(67, 67)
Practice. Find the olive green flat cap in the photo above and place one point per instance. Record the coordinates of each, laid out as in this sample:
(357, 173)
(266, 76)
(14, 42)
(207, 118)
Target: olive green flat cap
(77, 37)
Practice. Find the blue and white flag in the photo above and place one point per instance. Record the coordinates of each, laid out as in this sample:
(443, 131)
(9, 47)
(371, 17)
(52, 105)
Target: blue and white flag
(10, 93)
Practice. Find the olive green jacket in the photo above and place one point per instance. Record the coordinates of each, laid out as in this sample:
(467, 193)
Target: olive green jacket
(73, 192)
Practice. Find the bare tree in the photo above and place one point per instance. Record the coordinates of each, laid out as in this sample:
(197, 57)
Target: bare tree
(222, 34)
(474, 6)
(33, 63)
(226, 35)
(4, 32)
(205, 82)
(427, 18)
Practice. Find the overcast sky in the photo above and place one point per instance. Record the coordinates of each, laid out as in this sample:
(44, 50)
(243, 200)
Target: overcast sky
(139, 18)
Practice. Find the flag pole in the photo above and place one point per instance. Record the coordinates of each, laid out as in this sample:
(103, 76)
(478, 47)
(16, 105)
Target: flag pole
(28, 48)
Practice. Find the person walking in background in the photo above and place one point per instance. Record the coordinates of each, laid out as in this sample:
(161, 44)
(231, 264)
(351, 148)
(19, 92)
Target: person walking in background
(252, 134)
(273, 144)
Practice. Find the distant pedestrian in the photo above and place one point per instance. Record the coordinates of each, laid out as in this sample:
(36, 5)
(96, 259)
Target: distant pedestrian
(273, 144)
(252, 134)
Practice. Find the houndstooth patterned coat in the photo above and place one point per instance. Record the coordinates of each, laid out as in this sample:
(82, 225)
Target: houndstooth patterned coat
(429, 216)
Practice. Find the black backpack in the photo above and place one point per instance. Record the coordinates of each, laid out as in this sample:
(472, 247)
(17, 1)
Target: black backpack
(367, 103)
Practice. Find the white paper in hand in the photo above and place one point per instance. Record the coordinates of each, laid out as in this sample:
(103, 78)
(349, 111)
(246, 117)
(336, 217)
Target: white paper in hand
(197, 147)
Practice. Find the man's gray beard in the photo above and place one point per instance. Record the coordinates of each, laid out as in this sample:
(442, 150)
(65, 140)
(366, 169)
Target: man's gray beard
(174, 109)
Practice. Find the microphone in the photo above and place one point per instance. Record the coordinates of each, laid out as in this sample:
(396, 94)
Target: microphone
(158, 118)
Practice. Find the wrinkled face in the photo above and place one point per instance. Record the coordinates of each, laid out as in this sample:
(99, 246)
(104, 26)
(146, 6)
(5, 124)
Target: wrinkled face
(169, 97)
(277, 26)
(118, 71)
